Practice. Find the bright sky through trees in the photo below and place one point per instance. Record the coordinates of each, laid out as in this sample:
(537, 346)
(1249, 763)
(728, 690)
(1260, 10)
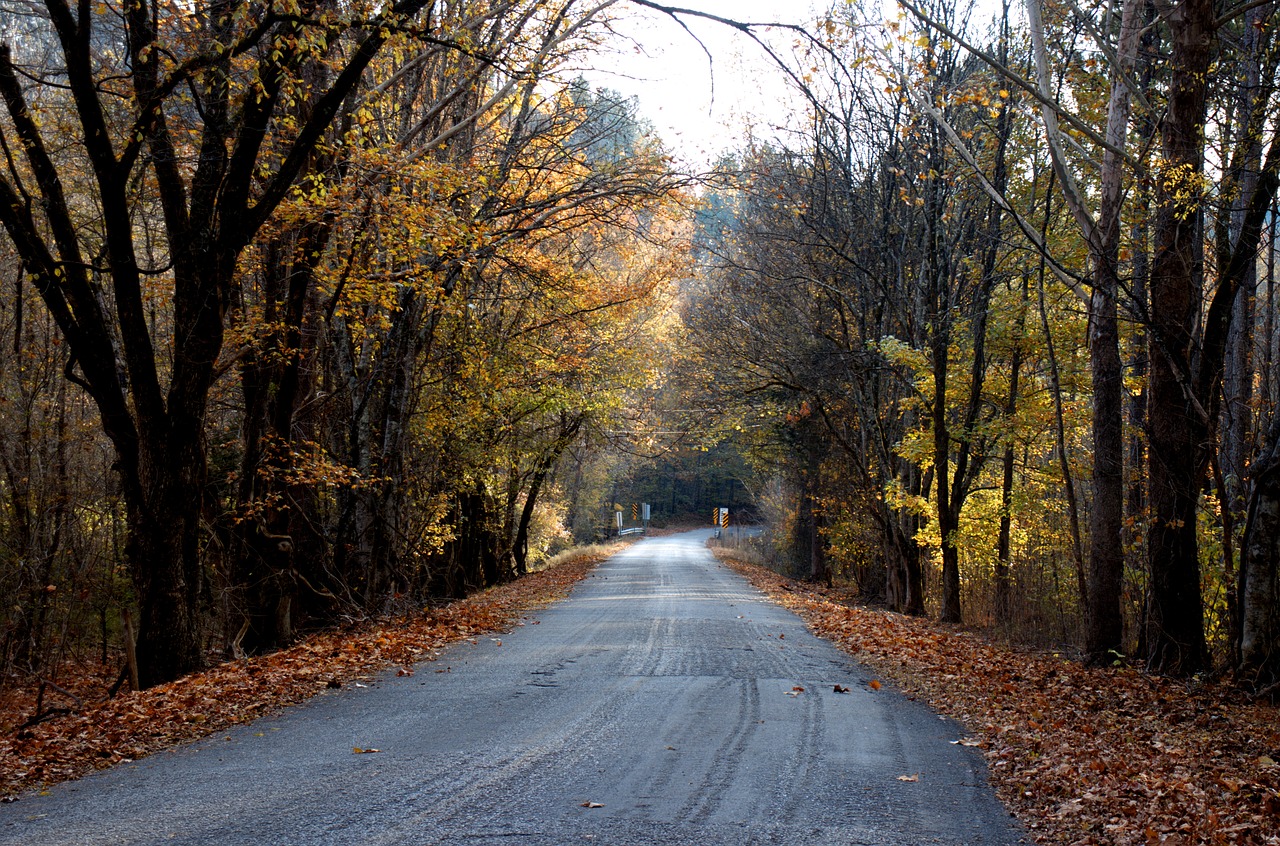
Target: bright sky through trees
(703, 106)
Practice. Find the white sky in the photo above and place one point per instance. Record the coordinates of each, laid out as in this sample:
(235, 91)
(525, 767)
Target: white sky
(703, 106)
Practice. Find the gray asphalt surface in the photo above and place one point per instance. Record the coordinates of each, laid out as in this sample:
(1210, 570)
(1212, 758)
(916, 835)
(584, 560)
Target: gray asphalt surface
(658, 690)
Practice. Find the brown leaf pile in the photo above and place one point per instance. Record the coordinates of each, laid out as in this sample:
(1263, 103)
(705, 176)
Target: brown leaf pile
(1082, 756)
(133, 725)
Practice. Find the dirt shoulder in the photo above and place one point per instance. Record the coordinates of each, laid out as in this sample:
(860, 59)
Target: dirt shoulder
(100, 732)
(1080, 756)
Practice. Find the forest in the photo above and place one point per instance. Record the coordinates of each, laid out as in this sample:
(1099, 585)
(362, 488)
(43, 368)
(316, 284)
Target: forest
(315, 311)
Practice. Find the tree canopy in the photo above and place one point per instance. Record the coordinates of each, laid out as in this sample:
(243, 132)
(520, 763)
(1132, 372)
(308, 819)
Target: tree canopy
(317, 311)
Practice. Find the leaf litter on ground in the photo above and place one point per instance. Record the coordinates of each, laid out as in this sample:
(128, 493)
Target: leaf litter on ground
(104, 732)
(1079, 755)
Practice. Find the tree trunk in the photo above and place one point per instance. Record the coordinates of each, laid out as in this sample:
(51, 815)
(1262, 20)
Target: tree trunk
(1178, 428)
(948, 520)
(271, 382)
(913, 571)
(1260, 572)
(1103, 621)
(162, 549)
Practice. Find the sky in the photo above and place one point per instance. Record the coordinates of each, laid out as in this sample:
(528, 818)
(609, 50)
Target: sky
(701, 106)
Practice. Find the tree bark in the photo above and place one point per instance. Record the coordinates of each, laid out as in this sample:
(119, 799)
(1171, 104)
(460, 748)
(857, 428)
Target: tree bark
(1178, 428)
(1103, 620)
(1260, 572)
(209, 215)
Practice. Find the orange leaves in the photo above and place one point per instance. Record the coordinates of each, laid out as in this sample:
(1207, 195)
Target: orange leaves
(134, 725)
(1082, 756)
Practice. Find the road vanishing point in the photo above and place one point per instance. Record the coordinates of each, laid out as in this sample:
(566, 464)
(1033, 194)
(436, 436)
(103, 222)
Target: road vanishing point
(658, 704)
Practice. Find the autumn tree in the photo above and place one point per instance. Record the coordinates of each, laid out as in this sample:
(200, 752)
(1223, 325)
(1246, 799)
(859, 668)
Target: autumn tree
(186, 103)
(147, 149)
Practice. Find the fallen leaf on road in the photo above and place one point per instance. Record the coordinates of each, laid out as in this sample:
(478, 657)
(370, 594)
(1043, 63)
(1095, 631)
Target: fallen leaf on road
(592, 805)
(915, 777)
(1091, 741)
(356, 750)
(840, 689)
(206, 704)
(873, 684)
(966, 741)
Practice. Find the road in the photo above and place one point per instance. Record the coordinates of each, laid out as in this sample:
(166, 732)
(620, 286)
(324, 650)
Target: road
(660, 691)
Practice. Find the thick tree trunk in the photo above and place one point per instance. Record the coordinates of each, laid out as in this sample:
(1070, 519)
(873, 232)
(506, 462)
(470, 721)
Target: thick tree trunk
(1104, 624)
(162, 549)
(1103, 621)
(1178, 428)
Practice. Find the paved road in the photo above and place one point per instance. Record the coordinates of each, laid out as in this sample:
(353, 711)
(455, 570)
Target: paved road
(659, 690)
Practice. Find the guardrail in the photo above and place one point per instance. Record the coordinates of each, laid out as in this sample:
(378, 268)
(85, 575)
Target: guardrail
(637, 530)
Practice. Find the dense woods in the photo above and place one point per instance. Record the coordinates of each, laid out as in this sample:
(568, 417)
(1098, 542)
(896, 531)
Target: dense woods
(1010, 301)
(315, 311)
(312, 311)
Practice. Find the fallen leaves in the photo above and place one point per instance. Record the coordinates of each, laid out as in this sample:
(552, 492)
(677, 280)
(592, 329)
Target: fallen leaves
(912, 777)
(592, 805)
(1081, 756)
(356, 750)
(133, 725)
